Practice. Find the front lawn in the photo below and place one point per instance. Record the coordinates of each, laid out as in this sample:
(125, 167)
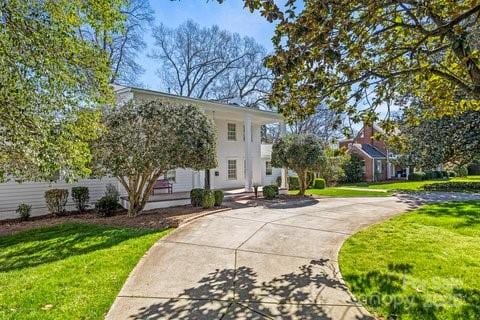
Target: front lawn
(421, 265)
(69, 271)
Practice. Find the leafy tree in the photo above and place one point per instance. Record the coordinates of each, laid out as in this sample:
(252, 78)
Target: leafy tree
(353, 169)
(331, 168)
(351, 53)
(146, 139)
(211, 63)
(301, 153)
(51, 81)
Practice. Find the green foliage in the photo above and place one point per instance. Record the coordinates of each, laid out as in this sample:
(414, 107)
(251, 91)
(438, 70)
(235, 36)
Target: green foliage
(52, 80)
(145, 139)
(331, 166)
(417, 176)
(279, 181)
(56, 200)
(112, 192)
(319, 184)
(293, 183)
(474, 167)
(435, 174)
(106, 206)
(80, 196)
(310, 178)
(196, 197)
(461, 171)
(452, 174)
(302, 153)
(353, 169)
(218, 194)
(270, 192)
(208, 199)
(455, 186)
(23, 210)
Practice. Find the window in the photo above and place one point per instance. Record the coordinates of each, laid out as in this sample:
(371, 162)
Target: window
(171, 176)
(268, 168)
(231, 131)
(378, 166)
(363, 166)
(232, 169)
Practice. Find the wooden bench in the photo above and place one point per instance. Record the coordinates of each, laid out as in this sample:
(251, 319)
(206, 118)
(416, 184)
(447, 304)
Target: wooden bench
(162, 184)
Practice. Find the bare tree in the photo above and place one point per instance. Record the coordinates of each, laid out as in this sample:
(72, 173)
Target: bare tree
(124, 45)
(210, 63)
(324, 123)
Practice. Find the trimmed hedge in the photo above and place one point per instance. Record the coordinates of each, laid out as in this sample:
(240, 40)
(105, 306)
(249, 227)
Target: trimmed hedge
(196, 197)
(218, 195)
(270, 192)
(80, 196)
(208, 200)
(319, 184)
(453, 186)
(106, 206)
(293, 183)
(417, 176)
(432, 175)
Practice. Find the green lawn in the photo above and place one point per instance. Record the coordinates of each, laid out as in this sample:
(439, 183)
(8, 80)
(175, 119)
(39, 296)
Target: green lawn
(421, 265)
(70, 271)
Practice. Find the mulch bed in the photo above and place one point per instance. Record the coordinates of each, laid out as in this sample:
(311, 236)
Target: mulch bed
(155, 219)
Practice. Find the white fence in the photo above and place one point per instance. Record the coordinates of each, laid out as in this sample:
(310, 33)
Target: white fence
(32, 193)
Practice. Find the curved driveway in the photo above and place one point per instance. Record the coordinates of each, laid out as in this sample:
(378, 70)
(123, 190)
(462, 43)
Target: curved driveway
(253, 263)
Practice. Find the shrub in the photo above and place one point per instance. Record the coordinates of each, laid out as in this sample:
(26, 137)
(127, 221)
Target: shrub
(270, 192)
(474, 167)
(56, 200)
(196, 197)
(319, 184)
(432, 175)
(208, 199)
(293, 183)
(461, 171)
(106, 206)
(452, 174)
(453, 186)
(23, 211)
(112, 192)
(416, 176)
(353, 169)
(80, 196)
(218, 195)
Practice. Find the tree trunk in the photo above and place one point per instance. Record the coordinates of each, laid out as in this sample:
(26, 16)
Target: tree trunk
(139, 189)
(302, 177)
(207, 179)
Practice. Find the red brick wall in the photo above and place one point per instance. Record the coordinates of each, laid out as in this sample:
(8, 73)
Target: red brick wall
(368, 133)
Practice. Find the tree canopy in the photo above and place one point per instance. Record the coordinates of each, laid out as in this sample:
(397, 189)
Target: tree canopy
(145, 139)
(357, 55)
(51, 81)
(302, 153)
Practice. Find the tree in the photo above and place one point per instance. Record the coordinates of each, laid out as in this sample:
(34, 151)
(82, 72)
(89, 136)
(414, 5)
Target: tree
(324, 124)
(301, 153)
(146, 139)
(451, 140)
(331, 168)
(51, 81)
(362, 53)
(210, 63)
(353, 169)
(122, 46)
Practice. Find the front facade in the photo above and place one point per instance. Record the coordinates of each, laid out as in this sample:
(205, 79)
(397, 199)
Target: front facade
(240, 160)
(377, 159)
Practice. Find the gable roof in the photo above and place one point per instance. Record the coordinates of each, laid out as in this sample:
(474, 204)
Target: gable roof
(372, 151)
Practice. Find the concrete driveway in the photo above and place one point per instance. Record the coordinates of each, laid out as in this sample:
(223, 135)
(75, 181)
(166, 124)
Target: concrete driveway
(253, 263)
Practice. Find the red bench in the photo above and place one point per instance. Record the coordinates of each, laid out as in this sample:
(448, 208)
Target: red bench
(162, 184)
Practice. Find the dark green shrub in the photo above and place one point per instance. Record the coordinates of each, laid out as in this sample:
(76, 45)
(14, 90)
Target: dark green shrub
(106, 206)
(208, 199)
(270, 192)
(473, 168)
(452, 174)
(80, 196)
(416, 176)
(353, 169)
(196, 197)
(319, 184)
(218, 194)
(453, 186)
(23, 211)
(293, 183)
(432, 175)
(461, 171)
(56, 200)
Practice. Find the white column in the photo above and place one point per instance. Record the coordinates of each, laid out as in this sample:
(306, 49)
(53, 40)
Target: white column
(407, 173)
(248, 154)
(284, 184)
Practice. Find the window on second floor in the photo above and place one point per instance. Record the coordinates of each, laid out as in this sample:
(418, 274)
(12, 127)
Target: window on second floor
(231, 131)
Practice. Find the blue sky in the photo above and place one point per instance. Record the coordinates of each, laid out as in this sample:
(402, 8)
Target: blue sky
(230, 16)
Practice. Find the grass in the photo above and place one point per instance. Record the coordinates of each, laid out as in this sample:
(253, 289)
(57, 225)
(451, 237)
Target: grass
(378, 189)
(69, 271)
(421, 265)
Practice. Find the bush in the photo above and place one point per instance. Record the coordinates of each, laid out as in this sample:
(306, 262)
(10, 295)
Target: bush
(196, 197)
(56, 200)
(474, 168)
(208, 199)
(453, 186)
(416, 176)
(461, 171)
(80, 196)
(432, 175)
(353, 169)
(106, 206)
(218, 195)
(293, 183)
(112, 192)
(23, 211)
(270, 192)
(452, 174)
(319, 184)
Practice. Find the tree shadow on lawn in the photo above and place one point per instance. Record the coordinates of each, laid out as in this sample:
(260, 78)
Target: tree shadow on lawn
(211, 298)
(46, 245)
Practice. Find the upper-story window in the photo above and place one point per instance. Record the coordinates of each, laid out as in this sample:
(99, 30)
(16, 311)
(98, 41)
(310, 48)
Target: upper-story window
(231, 131)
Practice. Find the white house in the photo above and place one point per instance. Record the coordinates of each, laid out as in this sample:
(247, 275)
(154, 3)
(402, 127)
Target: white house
(243, 161)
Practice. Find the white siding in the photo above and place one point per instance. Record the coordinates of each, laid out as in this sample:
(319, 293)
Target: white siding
(32, 193)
